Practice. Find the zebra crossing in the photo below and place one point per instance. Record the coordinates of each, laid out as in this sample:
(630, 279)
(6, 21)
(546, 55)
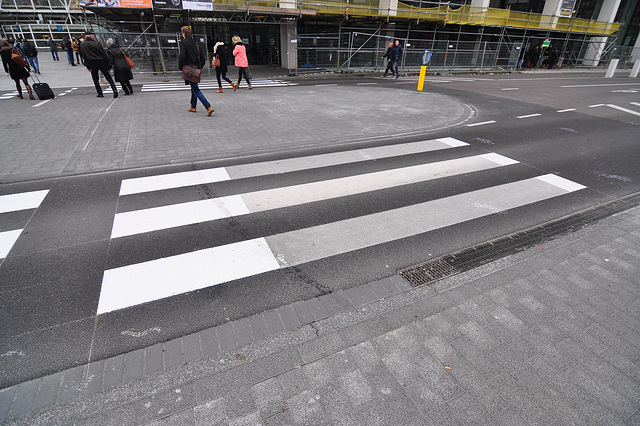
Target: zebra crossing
(14, 203)
(135, 283)
(207, 85)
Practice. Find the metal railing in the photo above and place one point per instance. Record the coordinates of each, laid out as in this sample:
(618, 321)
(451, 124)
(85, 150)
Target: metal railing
(448, 51)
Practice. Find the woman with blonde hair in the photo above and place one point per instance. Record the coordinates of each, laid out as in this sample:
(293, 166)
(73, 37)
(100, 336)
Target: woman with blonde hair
(240, 53)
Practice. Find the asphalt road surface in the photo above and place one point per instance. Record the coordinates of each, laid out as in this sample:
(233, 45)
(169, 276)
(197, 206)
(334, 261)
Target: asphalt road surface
(100, 264)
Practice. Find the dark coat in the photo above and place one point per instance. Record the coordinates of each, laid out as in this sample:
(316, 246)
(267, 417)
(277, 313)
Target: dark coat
(92, 51)
(16, 72)
(189, 54)
(121, 70)
(221, 52)
(389, 54)
(397, 53)
(30, 49)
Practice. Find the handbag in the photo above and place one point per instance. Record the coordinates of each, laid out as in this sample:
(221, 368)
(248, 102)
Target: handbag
(191, 73)
(216, 61)
(18, 59)
(129, 61)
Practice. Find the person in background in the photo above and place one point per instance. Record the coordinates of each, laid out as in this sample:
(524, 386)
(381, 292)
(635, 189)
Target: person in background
(240, 53)
(190, 55)
(31, 52)
(53, 47)
(121, 70)
(389, 55)
(220, 52)
(66, 45)
(15, 71)
(96, 59)
(397, 57)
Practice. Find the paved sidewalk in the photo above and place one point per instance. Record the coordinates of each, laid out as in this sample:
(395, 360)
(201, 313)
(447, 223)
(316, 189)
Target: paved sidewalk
(548, 336)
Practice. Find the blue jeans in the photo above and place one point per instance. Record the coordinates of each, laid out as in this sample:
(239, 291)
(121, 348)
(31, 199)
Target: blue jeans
(33, 61)
(54, 53)
(197, 94)
(70, 57)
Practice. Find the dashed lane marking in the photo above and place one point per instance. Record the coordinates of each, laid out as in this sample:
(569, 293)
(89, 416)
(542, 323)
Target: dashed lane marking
(628, 111)
(481, 124)
(567, 110)
(529, 116)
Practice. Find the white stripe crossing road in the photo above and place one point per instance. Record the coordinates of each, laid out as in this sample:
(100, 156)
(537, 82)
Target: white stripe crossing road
(153, 280)
(628, 111)
(199, 177)
(17, 202)
(7, 240)
(164, 87)
(22, 201)
(140, 221)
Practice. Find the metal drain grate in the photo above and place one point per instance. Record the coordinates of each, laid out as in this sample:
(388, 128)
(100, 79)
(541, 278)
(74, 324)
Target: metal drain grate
(481, 254)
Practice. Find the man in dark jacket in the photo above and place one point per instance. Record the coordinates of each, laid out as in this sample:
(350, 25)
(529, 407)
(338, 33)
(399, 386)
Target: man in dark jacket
(389, 55)
(96, 59)
(31, 52)
(397, 57)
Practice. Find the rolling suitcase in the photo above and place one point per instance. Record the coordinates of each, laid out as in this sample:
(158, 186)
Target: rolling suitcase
(42, 89)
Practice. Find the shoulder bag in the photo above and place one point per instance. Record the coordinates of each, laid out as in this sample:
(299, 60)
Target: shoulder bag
(129, 61)
(191, 73)
(216, 61)
(18, 59)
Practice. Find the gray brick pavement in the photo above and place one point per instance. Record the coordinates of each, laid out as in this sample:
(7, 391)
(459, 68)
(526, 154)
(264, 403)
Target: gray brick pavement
(543, 337)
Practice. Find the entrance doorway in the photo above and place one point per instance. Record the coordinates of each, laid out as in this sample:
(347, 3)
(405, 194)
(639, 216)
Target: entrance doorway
(261, 40)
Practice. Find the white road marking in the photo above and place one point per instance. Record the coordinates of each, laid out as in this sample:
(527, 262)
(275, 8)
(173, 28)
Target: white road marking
(174, 215)
(567, 110)
(600, 85)
(7, 240)
(628, 111)
(481, 124)
(511, 88)
(325, 85)
(22, 201)
(529, 116)
(635, 103)
(198, 177)
(596, 105)
(364, 84)
(41, 103)
(157, 279)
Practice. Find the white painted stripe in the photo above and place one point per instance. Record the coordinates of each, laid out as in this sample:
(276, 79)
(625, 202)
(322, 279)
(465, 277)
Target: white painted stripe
(182, 179)
(561, 182)
(596, 105)
(7, 240)
(22, 201)
(511, 88)
(481, 124)
(567, 110)
(172, 180)
(306, 245)
(365, 84)
(6, 97)
(529, 116)
(157, 279)
(440, 81)
(147, 220)
(61, 94)
(499, 159)
(599, 85)
(153, 219)
(325, 85)
(41, 103)
(628, 111)
(635, 103)
(144, 282)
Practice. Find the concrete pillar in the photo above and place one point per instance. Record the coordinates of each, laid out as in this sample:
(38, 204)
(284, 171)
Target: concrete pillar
(288, 46)
(598, 44)
(388, 7)
(480, 3)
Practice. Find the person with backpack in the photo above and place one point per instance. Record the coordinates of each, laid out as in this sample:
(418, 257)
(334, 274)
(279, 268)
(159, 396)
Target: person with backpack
(31, 52)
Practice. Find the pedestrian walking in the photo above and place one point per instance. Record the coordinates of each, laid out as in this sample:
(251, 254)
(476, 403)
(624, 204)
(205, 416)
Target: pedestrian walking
(553, 58)
(67, 47)
(96, 59)
(241, 61)
(53, 47)
(76, 50)
(121, 70)
(397, 57)
(31, 52)
(389, 55)
(221, 62)
(190, 55)
(14, 70)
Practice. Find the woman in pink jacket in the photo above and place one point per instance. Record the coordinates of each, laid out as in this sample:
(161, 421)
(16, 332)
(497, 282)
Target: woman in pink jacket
(240, 54)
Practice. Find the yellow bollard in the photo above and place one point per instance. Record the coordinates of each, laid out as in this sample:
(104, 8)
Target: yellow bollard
(423, 72)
